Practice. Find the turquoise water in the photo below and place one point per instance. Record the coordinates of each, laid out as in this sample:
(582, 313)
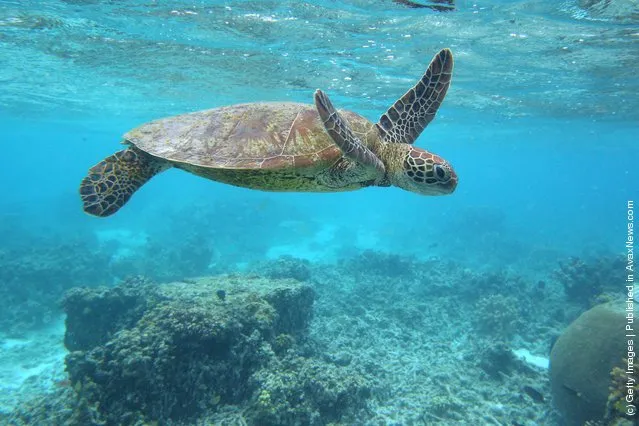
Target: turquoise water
(540, 124)
(539, 121)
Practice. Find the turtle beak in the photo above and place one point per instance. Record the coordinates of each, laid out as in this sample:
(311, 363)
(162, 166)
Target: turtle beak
(451, 185)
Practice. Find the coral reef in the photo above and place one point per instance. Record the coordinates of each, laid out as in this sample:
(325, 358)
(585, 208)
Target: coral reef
(107, 310)
(581, 361)
(307, 391)
(285, 267)
(488, 282)
(584, 280)
(189, 351)
(381, 347)
(497, 359)
(622, 384)
(372, 262)
(497, 315)
(415, 335)
(178, 353)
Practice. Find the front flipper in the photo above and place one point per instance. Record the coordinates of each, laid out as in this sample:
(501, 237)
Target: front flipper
(110, 183)
(338, 129)
(409, 115)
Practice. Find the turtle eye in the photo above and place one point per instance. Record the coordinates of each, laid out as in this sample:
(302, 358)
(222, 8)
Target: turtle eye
(442, 173)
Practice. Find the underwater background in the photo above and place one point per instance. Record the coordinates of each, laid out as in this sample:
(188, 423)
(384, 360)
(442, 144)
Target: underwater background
(400, 309)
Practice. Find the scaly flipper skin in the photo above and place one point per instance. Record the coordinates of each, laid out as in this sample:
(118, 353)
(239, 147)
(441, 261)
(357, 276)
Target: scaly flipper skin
(341, 133)
(110, 183)
(405, 120)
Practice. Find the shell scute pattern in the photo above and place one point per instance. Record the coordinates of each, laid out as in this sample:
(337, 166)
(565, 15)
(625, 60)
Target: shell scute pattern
(246, 136)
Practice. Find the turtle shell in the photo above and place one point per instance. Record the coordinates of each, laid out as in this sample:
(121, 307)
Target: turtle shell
(245, 136)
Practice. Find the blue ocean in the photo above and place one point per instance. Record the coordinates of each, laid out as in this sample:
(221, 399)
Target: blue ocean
(223, 292)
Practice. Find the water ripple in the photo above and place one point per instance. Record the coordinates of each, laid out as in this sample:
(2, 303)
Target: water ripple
(147, 58)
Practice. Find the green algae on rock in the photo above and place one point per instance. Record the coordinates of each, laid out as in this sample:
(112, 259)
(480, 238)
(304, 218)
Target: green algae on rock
(581, 362)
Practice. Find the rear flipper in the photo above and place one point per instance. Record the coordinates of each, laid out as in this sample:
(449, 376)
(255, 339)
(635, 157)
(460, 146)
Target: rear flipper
(111, 182)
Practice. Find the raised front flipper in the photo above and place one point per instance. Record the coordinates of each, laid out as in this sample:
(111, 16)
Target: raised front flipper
(410, 114)
(338, 129)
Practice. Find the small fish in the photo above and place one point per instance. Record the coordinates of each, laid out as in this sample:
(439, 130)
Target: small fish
(534, 394)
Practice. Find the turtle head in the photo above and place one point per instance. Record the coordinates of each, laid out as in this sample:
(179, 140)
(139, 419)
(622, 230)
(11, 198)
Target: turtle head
(420, 171)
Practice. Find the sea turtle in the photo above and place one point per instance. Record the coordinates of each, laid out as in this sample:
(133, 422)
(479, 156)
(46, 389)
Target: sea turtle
(284, 147)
